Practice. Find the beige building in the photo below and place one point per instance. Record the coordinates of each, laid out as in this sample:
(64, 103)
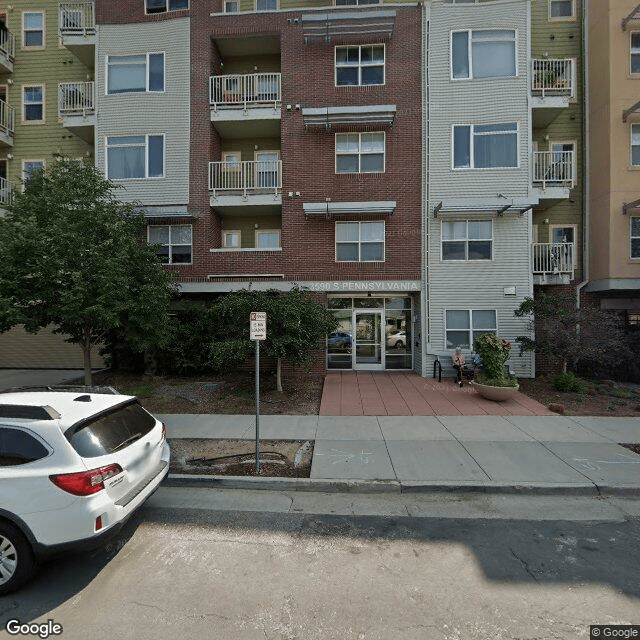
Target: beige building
(614, 155)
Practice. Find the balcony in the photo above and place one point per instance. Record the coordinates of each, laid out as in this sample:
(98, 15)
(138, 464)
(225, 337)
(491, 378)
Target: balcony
(7, 122)
(7, 51)
(553, 174)
(553, 263)
(77, 29)
(6, 189)
(76, 108)
(246, 104)
(254, 184)
(552, 88)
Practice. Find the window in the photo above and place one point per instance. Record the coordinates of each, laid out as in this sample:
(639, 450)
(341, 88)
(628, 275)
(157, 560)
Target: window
(135, 157)
(360, 241)
(128, 74)
(465, 325)
(561, 9)
(467, 240)
(161, 6)
(29, 167)
(231, 239)
(483, 54)
(485, 146)
(32, 29)
(231, 7)
(19, 447)
(173, 242)
(635, 145)
(266, 5)
(635, 237)
(33, 103)
(561, 255)
(363, 65)
(360, 152)
(268, 239)
(635, 52)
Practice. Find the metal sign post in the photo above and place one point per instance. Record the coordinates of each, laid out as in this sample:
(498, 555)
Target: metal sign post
(258, 332)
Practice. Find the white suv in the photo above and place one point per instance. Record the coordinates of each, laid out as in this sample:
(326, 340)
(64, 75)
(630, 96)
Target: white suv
(73, 467)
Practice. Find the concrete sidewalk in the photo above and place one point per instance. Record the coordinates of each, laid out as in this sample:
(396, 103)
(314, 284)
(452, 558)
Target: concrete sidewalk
(536, 454)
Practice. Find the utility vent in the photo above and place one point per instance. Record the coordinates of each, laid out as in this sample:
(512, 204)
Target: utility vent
(28, 412)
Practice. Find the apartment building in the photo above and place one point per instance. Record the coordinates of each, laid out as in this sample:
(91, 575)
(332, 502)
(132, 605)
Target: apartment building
(614, 156)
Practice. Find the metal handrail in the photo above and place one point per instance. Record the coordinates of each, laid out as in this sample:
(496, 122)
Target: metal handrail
(76, 19)
(8, 44)
(246, 177)
(553, 168)
(6, 191)
(553, 257)
(250, 89)
(7, 118)
(76, 98)
(552, 77)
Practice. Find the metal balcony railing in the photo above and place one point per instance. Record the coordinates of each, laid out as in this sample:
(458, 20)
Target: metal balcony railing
(7, 118)
(246, 90)
(76, 98)
(76, 19)
(6, 189)
(552, 77)
(553, 258)
(247, 177)
(7, 44)
(553, 169)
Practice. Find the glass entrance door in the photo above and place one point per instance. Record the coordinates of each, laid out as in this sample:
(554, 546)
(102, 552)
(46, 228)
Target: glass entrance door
(369, 348)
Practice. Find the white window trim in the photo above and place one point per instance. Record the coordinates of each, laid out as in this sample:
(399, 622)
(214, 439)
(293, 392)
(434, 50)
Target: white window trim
(470, 54)
(359, 134)
(470, 329)
(633, 51)
(226, 155)
(631, 145)
(472, 158)
(167, 10)
(230, 246)
(575, 238)
(25, 160)
(146, 156)
(255, 7)
(44, 103)
(171, 244)
(147, 70)
(44, 32)
(360, 65)
(361, 222)
(631, 238)
(466, 241)
(570, 18)
(229, 2)
(269, 231)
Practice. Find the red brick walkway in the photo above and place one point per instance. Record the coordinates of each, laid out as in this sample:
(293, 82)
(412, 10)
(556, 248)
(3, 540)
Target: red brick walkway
(359, 393)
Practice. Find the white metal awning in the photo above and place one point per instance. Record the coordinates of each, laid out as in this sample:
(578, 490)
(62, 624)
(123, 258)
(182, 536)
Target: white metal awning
(328, 209)
(347, 25)
(328, 117)
(465, 208)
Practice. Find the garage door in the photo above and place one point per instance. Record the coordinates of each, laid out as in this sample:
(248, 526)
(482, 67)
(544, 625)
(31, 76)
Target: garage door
(42, 350)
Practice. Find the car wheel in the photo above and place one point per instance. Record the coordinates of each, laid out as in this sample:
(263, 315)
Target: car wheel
(399, 344)
(17, 564)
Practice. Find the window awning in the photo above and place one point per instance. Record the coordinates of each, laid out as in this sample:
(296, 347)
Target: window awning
(346, 25)
(327, 117)
(634, 15)
(630, 206)
(328, 209)
(166, 212)
(498, 207)
(632, 112)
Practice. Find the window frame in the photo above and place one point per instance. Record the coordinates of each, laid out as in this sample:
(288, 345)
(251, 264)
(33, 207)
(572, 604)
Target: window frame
(226, 8)
(472, 127)
(574, 227)
(470, 331)
(255, 6)
(259, 232)
(574, 145)
(171, 244)
(166, 10)
(470, 65)
(631, 145)
(466, 241)
(31, 434)
(37, 47)
(570, 18)
(24, 104)
(359, 152)
(41, 161)
(237, 233)
(146, 155)
(147, 72)
(632, 238)
(360, 65)
(360, 242)
(634, 52)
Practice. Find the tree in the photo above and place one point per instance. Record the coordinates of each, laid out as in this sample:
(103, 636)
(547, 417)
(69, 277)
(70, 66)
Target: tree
(73, 256)
(569, 335)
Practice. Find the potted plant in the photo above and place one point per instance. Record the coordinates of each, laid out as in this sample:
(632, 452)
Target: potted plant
(492, 383)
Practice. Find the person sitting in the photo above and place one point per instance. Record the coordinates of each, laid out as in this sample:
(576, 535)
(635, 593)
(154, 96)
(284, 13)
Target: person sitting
(458, 365)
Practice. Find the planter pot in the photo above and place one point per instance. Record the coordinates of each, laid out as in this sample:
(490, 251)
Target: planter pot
(498, 394)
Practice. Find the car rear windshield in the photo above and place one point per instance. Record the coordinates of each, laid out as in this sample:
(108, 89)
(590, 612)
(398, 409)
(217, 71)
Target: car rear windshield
(110, 432)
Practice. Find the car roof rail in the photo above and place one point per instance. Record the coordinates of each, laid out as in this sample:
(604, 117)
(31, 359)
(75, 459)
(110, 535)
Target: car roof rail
(28, 412)
(70, 388)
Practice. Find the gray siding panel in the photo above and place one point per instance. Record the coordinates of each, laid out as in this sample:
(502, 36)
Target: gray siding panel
(149, 113)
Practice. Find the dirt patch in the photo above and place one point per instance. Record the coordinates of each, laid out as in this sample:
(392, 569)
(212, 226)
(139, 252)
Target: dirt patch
(278, 458)
(634, 447)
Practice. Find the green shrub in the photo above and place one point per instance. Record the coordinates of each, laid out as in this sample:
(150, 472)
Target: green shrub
(568, 382)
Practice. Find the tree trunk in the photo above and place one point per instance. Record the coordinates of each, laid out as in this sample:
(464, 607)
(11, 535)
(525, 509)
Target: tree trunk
(86, 352)
(279, 374)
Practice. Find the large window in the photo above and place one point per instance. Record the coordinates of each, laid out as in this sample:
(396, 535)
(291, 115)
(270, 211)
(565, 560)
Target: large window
(561, 9)
(128, 74)
(635, 145)
(463, 326)
(32, 29)
(135, 157)
(161, 6)
(268, 239)
(33, 103)
(362, 65)
(467, 240)
(360, 241)
(266, 5)
(635, 237)
(29, 167)
(485, 146)
(173, 242)
(360, 152)
(635, 52)
(483, 54)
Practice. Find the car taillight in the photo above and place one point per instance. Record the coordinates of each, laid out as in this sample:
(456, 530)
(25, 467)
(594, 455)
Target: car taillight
(85, 483)
(164, 430)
